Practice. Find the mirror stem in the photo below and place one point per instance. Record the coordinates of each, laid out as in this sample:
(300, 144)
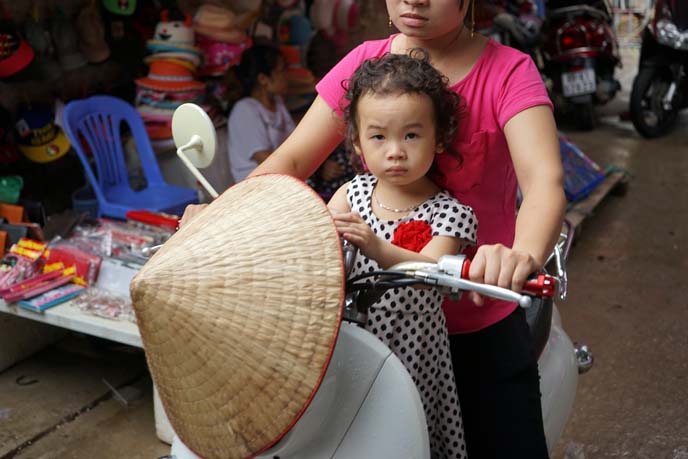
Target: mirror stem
(196, 142)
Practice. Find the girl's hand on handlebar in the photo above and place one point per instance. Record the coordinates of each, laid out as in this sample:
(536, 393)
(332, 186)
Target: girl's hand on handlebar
(499, 265)
(352, 228)
(190, 212)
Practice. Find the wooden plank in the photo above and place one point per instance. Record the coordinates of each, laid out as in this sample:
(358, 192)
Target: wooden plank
(582, 209)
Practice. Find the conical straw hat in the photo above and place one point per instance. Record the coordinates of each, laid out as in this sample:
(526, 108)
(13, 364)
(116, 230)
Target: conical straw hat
(239, 312)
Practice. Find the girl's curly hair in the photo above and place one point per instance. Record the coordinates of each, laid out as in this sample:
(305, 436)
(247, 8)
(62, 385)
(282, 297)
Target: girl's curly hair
(394, 74)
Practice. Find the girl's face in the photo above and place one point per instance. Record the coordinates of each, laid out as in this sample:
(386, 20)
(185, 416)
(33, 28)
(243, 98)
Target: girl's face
(427, 19)
(396, 136)
(276, 83)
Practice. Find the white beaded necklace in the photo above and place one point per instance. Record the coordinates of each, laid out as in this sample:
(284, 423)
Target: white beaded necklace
(392, 209)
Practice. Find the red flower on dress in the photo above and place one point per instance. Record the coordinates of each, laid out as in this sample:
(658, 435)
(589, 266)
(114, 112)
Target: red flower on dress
(412, 235)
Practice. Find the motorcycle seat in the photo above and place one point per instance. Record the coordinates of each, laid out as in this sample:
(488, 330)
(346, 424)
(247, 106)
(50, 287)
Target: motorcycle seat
(539, 319)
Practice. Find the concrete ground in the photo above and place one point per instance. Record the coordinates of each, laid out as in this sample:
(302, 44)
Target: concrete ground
(627, 301)
(628, 297)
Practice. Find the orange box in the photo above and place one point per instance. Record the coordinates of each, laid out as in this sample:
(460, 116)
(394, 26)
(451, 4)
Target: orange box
(12, 213)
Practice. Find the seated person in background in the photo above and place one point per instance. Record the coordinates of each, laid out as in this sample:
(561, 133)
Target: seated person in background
(259, 121)
(334, 172)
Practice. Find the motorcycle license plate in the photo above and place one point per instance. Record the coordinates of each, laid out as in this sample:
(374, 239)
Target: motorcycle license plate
(579, 82)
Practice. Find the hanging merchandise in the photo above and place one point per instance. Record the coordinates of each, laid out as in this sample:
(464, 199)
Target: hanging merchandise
(191, 61)
(8, 150)
(122, 7)
(219, 56)
(66, 42)
(38, 137)
(221, 36)
(91, 31)
(173, 36)
(44, 66)
(335, 18)
(15, 53)
(170, 81)
(293, 28)
(219, 24)
(240, 6)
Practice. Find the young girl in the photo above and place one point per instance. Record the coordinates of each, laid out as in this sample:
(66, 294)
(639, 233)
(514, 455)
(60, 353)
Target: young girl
(259, 121)
(507, 138)
(400, 117)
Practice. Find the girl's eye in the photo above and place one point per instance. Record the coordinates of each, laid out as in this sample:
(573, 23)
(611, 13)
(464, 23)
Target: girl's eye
(411, 135)
(378, 137)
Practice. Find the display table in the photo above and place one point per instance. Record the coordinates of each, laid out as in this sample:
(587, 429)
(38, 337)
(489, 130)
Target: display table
(67, 316)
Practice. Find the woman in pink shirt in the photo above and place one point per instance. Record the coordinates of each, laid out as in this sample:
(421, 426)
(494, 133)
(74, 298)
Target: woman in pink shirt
(507, 137)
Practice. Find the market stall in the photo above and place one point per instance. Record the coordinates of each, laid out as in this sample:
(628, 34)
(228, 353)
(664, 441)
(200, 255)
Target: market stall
(68, 248)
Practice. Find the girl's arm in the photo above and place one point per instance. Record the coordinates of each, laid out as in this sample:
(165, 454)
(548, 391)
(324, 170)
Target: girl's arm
(540, 176)
(352, 228)
(338, 204)
(317, 134)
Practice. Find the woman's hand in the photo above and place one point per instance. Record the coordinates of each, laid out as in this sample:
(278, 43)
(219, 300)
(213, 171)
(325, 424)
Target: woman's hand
(352, 228)
(499, 265)
(190, 212)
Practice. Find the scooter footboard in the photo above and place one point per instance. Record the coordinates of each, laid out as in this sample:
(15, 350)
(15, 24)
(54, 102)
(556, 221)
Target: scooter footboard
(366, 406)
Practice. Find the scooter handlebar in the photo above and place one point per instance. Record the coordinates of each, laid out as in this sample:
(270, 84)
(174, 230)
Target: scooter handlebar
(451, 272)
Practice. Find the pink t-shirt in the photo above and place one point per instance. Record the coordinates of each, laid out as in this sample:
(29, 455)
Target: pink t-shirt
(502, 83)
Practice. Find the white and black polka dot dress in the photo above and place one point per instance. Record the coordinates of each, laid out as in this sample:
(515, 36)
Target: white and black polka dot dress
(411, 322)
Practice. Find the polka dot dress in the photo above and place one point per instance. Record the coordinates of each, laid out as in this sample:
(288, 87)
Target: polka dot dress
(411, 322)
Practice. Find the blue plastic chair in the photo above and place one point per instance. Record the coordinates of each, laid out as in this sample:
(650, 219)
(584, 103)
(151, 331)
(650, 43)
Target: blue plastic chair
(97, 121)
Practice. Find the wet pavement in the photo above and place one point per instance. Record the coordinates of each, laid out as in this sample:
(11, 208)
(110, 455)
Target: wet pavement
(627, 301)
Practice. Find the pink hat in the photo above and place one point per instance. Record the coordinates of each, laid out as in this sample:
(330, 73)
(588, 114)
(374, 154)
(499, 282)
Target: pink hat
(219, 56)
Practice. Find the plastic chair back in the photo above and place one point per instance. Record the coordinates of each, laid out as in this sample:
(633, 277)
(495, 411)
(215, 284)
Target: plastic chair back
(95, 125)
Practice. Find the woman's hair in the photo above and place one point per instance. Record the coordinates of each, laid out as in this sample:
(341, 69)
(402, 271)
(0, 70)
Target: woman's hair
(240, 79)
(394, 74)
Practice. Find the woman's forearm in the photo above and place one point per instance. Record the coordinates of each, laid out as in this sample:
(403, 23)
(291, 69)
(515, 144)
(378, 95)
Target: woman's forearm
(314, 138)
(534, 147)
(539, 219)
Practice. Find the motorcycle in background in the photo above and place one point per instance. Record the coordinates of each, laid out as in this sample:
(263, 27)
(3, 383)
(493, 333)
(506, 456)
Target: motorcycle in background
(660, 89)
(580, 54)
(515, 23)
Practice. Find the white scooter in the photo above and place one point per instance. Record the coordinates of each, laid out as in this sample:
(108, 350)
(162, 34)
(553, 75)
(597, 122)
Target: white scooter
(367, 404)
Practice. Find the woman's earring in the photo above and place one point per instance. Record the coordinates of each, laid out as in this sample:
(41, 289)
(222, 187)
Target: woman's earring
(472, 18)
(389, 23)
(439, 150)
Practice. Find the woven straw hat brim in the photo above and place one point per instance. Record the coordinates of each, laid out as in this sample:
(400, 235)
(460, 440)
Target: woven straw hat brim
(239, 312)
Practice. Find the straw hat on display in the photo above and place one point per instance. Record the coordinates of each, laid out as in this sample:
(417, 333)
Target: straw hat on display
(170, 82)
(66, 42)
(239, 313)
(169, 76)
(92, 34)
(177, 58)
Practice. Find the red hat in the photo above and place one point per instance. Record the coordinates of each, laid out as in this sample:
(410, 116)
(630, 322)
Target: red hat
(15, 53)
(169, 76)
